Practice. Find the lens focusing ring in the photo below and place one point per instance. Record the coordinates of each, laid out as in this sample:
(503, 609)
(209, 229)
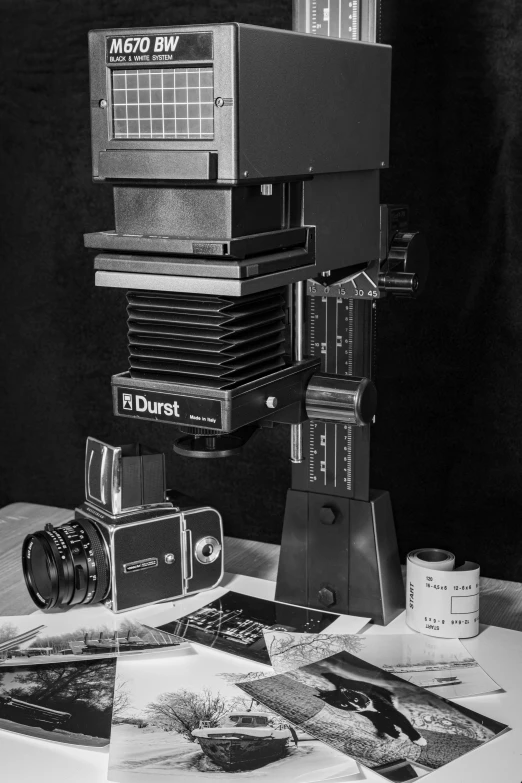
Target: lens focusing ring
(100, 561)
(76, 562)
(51, 559)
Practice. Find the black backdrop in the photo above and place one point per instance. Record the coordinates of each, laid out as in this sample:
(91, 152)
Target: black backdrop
(448, 436)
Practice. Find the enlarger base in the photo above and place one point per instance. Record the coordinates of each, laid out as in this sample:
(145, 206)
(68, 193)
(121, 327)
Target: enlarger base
(341, 555)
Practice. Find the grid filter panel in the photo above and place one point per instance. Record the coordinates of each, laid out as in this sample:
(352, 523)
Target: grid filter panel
(163, 103)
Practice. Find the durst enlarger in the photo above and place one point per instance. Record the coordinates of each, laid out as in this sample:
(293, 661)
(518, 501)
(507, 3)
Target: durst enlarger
(252, 244)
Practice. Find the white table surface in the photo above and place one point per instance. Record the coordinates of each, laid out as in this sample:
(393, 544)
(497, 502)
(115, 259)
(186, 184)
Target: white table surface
(497, 650)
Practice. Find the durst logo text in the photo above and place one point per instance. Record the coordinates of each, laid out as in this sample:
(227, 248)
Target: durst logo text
(142, 405)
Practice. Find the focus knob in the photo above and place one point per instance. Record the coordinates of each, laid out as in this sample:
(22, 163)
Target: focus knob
(406, 269)
(333, 398)
(400, 284)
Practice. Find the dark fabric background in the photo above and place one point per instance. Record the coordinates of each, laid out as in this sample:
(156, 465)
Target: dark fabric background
(447, 439)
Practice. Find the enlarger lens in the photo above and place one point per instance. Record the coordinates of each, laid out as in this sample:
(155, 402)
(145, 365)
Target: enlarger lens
(66, 565)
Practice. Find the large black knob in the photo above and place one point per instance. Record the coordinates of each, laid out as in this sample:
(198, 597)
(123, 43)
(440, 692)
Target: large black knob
(338, 399)
(405, 271)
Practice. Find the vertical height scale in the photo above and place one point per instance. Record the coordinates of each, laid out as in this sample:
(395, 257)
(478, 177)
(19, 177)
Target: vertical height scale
(338, 549)
(352, 20)
(339, 330)
(333, 18)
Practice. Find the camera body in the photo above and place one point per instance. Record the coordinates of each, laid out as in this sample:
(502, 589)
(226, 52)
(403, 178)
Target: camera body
(156, 550)
(130, 544)
(156, 554)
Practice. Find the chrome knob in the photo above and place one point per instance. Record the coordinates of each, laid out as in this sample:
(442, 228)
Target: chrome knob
(406, 268)
(344, 400)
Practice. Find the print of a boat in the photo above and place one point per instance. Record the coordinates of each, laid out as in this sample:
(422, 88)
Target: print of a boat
(243, 740)
(439, 682)
(28, 652)
(31, 714)
(110, 644)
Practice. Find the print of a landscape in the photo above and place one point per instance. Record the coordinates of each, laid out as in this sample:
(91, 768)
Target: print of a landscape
(26, 640)
(188, 721)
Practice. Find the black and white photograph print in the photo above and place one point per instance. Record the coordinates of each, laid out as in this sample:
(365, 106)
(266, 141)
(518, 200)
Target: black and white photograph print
(185, 719)
(442, 666)
(374, 716)
(235, 624)
(288, 650)
(70, 703)
(57, 638)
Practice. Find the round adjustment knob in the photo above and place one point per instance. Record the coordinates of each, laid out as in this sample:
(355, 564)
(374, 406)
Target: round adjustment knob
(406, 269)
(400, 284)
(344, 400)
(199, 431)
(207, 550)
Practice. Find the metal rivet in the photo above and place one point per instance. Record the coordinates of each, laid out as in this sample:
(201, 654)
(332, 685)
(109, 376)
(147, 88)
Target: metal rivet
(310, 169)
(219, 102)
(169, 559)
(245, 173)
(383, 163)
(103, 103)
(271, 402)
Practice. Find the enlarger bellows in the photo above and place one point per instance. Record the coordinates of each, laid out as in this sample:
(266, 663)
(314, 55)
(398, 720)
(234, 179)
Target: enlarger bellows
(214, 341)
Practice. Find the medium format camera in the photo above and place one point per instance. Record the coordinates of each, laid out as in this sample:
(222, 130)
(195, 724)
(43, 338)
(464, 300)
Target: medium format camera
(128, 545)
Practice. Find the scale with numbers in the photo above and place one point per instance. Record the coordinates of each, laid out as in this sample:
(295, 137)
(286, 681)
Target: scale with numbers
(335, 525)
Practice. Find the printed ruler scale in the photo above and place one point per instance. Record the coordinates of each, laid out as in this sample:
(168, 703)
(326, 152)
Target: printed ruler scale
(338, 548)
(355, 20)
(334, 18)
(339, 330)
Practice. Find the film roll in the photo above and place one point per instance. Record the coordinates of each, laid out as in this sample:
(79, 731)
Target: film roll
(441, 600)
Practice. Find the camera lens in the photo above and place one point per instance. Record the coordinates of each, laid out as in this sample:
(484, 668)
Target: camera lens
(41, 571)
(66, 565)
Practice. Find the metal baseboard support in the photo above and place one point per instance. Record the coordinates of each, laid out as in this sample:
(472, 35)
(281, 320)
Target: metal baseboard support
(341, 555)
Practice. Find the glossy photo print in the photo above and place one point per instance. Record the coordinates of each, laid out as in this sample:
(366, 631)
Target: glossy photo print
(69, 703)
(235, 624)
(442, 666)
(57, 638)
(184, 719)
(395, 727)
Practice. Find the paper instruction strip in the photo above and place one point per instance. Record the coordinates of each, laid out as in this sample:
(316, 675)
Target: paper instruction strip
(441, 601)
